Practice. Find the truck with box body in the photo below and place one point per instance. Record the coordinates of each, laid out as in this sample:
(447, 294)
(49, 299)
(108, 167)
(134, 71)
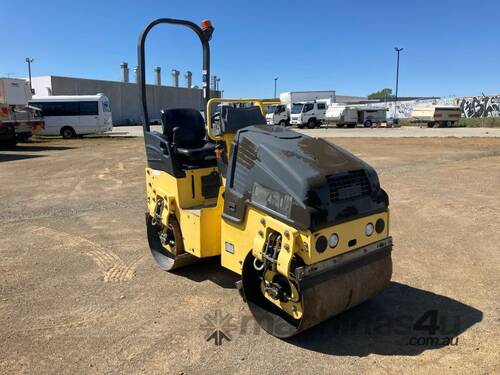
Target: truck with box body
(18, 120)
(281, 113)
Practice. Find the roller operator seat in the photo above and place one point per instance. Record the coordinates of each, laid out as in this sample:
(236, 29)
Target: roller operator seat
(186, 128)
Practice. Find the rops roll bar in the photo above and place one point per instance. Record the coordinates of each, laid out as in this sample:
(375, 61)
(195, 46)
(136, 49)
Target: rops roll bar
(204, 32)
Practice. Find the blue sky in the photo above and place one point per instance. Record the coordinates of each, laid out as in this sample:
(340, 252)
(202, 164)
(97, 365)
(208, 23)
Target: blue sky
(451, 47)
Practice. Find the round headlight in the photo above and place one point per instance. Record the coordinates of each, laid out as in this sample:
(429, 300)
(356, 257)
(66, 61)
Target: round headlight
(380, 225)
(334, 240)
(321, 244)
(369, 229)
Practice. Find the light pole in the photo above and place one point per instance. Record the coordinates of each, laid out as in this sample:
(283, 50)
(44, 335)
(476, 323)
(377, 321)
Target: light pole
(29, 60)
(398, 50)
(275, 85)
(217, 80)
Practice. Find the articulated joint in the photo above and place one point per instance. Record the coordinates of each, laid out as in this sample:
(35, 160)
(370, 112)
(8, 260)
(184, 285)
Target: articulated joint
(164, 207)
(274, 246)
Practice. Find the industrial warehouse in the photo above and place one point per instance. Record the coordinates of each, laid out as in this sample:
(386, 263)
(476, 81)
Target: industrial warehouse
(123, 95)
(200, 208)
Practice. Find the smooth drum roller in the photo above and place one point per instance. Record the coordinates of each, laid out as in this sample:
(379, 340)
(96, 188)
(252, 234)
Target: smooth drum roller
(321, 295)
(166, 244)
(304, 222)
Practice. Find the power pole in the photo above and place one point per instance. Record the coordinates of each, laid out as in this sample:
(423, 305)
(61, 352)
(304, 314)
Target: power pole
(29, 60)
(398, 50)
(275, 85)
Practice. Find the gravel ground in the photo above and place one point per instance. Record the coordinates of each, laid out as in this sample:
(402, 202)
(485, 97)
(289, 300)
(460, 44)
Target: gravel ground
(79, 292)
(360, 132)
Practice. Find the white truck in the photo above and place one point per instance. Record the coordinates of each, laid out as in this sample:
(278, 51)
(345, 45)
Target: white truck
(280, 115)
(310, 114)
(18, 120)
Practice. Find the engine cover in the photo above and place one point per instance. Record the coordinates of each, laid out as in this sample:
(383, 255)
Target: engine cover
(306, 182)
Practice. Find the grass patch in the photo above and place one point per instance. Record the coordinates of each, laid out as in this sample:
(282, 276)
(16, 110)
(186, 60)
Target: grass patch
(482, 122)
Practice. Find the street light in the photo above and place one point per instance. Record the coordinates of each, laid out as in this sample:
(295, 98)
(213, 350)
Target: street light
(29, 60)
(275, 84)
(398, 50)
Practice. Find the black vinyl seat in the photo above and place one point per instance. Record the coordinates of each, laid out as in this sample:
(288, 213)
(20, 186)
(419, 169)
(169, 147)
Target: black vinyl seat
(198, 153)
(186, 128)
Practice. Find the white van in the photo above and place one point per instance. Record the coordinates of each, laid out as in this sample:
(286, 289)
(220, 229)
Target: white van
(74, 114)
(311, 114)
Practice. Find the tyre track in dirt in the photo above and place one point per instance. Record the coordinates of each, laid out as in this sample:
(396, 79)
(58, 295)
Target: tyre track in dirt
(112, 267)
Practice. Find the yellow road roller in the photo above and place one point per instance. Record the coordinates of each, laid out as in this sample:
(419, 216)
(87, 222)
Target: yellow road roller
(302, 221)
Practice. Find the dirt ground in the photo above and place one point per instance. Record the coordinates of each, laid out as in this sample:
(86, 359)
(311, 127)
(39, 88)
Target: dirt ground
(80, 293)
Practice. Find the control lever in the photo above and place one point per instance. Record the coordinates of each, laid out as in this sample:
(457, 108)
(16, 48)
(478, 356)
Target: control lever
(175, 137)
